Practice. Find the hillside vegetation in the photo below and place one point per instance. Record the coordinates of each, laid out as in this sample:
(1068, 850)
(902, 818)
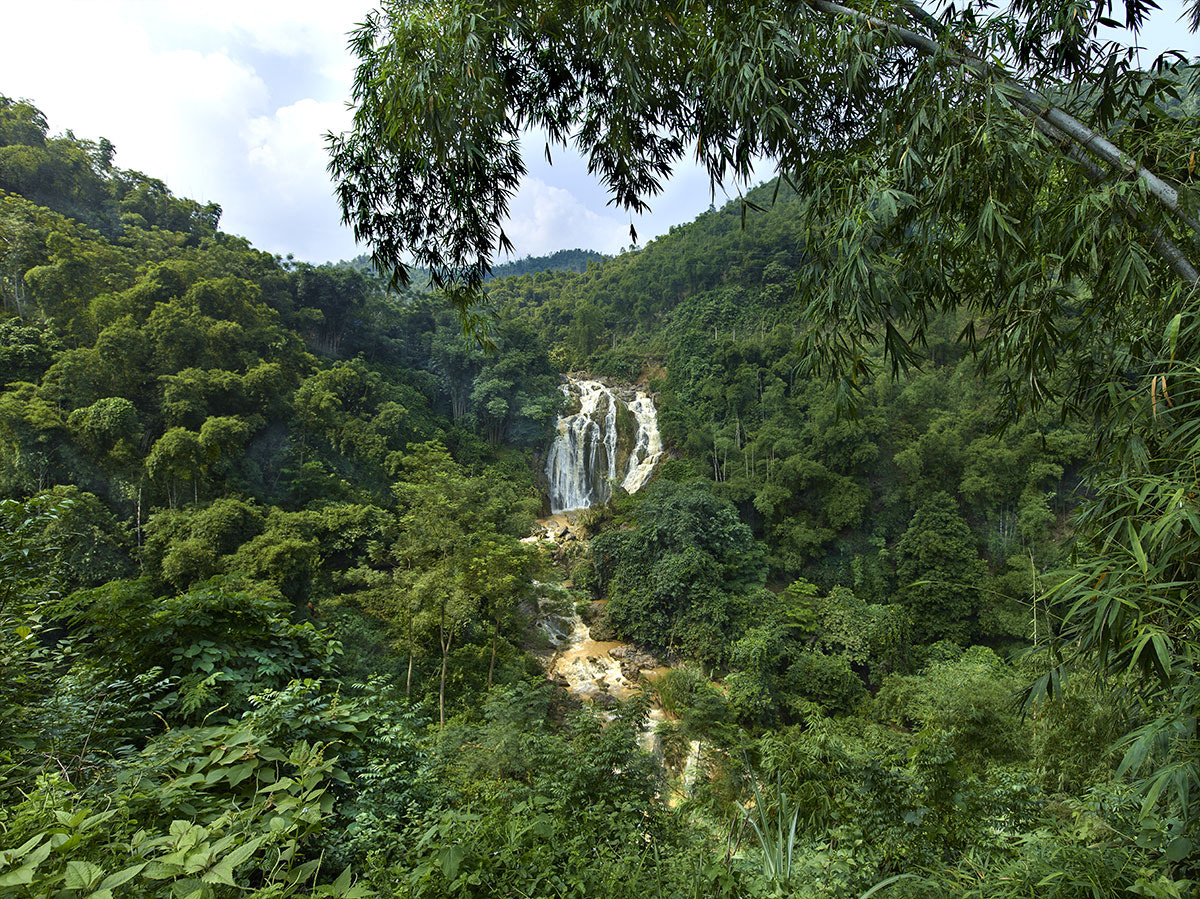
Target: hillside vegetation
(266, 622)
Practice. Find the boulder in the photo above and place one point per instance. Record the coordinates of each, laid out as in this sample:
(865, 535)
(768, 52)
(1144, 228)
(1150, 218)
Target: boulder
(601, 630)
(604, 700)
(638, 659)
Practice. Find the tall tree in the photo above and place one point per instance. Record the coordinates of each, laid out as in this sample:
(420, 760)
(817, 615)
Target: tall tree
(940, 572)
(452, 553)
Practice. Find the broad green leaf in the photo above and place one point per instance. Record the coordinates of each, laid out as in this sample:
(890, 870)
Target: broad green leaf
(116, 879)
(243, 852)
(23, 876)
(1178, 849)
(240, 772)
(450, 859)
(81, 875)
(11, 855)
(1173, 332)
(221, 872)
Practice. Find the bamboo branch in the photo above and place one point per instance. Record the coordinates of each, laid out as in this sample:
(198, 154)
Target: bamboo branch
(1163, 245)
(1076, 131)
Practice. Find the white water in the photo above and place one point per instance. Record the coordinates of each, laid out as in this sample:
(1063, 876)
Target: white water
(581, 469)
(592, 674)
(581, 466)
(587, 665)
(647, 447)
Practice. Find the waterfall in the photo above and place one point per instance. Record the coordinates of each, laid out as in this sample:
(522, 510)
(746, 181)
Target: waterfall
(614, 431)
(587, 452)
(647, 445)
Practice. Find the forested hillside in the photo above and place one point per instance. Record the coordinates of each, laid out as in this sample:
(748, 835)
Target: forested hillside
(563, 260)
(268, 628)
(702, 314)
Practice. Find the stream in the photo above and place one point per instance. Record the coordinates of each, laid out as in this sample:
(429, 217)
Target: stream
(595, 671)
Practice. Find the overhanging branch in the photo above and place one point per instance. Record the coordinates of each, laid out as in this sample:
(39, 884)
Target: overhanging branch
(1090, 141)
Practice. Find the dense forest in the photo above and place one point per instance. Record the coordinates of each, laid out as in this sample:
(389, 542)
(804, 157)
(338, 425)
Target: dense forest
(561, 260)
(269, 626)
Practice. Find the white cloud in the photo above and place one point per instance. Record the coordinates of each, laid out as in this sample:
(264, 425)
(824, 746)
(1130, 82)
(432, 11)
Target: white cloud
(205, 97)
(290, 142)
(227, 101)
(288, 185)
(281, 27)
(544, 218)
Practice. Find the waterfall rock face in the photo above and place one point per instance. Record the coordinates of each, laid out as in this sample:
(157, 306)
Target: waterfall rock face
(647, 444)
(609, 434)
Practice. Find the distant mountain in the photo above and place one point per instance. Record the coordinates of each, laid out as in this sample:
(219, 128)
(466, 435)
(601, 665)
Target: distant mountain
(563, 261)
(418, 277)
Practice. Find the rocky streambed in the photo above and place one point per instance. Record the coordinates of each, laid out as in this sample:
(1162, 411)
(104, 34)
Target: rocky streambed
(599, 672)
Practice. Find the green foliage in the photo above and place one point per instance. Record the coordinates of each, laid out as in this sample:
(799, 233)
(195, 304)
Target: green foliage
(531, 810)
(806, 649)
(26, 351)
(939, 571)
(684, 577)
(218, 646)
(23, 569)
(703, 709)
(59, 846)
(1127, 601)
(110, 781)
(298, 459)
(85, 545)
(967, 699)
(776, 834)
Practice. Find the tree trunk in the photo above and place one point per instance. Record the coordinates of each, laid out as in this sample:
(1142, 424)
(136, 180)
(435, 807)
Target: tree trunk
(492, 664)
(445, 637)
(408, 677)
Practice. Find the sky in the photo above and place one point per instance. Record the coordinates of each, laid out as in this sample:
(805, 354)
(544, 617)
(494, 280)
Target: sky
(228, 100)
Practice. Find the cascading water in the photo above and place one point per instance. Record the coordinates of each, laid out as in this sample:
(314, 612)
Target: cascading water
(589, 448)
(612, 431)
(583, 458)
(591, 668)
(647, 447)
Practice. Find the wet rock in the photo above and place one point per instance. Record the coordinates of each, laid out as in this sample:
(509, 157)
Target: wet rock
(635, 657)
(602, 630)
(604, 700)
(591, 612)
